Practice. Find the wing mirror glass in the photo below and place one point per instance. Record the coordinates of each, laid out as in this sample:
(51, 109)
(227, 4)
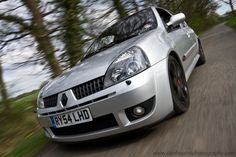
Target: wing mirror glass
(176, 19)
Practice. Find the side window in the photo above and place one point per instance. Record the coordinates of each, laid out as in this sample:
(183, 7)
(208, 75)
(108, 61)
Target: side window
(165, 16)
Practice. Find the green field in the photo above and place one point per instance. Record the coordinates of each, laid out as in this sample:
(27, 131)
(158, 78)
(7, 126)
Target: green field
(20, 133)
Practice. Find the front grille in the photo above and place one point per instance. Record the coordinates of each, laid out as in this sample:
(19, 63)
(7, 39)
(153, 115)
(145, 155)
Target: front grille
(50, 101)
(79, 105)
(100, 123)
(88, 88)
(80, 91)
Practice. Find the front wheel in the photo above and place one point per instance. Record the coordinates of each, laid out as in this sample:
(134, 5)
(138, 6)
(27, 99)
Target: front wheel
(178, 86)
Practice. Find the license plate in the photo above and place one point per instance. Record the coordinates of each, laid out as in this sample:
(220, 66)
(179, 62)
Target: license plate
(77, 117)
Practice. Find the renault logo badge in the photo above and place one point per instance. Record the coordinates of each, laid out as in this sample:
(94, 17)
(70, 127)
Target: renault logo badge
(64, 99)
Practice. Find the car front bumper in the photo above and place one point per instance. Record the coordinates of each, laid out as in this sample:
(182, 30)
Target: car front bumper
(151, 84)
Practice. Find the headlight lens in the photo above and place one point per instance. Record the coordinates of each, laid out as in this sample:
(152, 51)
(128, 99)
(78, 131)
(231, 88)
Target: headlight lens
(40, 102)
(128, 64)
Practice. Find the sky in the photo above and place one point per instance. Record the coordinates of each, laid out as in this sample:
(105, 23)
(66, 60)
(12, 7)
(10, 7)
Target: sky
(22, 79)
(28, 78)
(223, 9)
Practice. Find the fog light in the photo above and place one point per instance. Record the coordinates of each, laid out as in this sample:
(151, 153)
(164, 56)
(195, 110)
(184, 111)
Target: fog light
(138, 111)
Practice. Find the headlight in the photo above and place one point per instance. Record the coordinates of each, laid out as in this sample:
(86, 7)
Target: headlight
(128, 64)
(40, 103)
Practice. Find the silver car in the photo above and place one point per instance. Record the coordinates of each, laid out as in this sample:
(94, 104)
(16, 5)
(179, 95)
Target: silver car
(132, 76)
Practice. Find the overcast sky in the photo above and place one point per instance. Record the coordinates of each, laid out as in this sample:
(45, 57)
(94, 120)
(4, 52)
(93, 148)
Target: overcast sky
(223, 9)
(28, 78)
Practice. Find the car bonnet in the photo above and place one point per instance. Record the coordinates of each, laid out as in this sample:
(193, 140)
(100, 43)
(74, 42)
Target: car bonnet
(89, 69)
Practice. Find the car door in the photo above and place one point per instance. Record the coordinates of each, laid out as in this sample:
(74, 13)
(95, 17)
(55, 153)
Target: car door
(192, 44)
(177, 36)
(182, 44)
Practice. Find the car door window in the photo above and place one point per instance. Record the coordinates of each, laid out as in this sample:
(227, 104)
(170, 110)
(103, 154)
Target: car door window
(165, 16)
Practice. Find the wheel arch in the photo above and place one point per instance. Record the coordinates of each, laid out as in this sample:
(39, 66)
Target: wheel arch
(176, 56)
(173, 54)
(198, 41)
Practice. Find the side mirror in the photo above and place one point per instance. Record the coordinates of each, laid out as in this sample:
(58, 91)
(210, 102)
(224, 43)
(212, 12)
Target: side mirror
(176, 19)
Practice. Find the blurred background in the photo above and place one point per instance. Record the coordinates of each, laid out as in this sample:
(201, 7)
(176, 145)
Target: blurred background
(39, 39)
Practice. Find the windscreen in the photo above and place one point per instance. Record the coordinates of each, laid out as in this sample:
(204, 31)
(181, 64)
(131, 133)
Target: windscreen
(133, 25)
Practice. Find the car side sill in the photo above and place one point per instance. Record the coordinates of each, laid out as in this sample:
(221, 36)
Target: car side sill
(189, 52)
(191, 67)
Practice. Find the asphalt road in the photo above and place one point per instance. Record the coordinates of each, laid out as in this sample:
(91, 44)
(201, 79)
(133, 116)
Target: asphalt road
(207, 129)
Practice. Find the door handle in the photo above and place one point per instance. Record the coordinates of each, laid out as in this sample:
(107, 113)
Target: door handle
(188, 34)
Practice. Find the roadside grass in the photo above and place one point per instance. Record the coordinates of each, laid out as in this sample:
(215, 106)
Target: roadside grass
(30, 146)
(231, 22)
(20, 133)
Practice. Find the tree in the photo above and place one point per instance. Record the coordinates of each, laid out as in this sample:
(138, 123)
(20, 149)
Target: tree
(36, 28)
(198, 13)
(135, 5)
(41, 35)
(122, 13)
(3, 91)
(72, 32)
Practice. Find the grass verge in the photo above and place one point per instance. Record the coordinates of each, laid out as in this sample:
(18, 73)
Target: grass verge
(231, 22)
(30, 146)
(20, 133)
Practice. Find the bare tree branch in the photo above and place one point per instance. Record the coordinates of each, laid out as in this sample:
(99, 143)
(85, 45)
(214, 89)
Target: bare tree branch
(10, 10)
(50, 12)
(5, 42)
(10, 33)
(15, 19)
(224, 1)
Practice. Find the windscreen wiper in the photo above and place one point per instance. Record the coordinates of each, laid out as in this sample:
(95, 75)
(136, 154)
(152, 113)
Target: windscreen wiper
(99, 50)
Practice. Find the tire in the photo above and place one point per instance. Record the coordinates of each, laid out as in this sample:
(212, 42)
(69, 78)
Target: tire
(178, 86)
(202, 59)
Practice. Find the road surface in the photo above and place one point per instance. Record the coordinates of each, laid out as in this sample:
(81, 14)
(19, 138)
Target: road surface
(207, 129)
